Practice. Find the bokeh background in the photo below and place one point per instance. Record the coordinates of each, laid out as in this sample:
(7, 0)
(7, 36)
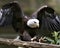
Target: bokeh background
(28, 7)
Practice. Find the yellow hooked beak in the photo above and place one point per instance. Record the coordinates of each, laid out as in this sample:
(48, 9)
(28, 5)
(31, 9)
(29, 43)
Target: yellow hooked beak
(38, 25)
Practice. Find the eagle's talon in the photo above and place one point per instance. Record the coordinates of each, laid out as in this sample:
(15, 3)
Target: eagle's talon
(42, 39)
(17, 38)
(34, 39)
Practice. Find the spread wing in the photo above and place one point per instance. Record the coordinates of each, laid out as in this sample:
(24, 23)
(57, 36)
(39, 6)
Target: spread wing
(49, 20)
(11, 14)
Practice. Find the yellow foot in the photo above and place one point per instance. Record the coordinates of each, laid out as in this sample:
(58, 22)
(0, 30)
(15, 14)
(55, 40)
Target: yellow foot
(42, 39)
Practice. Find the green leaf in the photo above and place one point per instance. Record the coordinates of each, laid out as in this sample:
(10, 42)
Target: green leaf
(58, 41)
(55, 34)
(49, 40)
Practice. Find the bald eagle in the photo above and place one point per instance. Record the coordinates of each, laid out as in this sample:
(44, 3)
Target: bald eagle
(40, 23)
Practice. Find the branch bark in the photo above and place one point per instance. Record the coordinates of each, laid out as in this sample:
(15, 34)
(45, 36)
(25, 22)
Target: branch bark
(27, 44)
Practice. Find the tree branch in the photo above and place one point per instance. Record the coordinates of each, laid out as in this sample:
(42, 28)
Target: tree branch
(27, 44)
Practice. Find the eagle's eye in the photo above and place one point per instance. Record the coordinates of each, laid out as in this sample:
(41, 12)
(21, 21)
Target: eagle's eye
(34, 22)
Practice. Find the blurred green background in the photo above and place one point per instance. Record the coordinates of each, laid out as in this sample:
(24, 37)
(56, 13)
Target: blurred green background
(28, 7)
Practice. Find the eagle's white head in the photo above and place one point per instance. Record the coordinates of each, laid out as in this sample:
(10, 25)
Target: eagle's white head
(33, 23)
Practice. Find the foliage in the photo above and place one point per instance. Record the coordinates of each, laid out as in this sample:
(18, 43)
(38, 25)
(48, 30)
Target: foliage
(55, 39)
